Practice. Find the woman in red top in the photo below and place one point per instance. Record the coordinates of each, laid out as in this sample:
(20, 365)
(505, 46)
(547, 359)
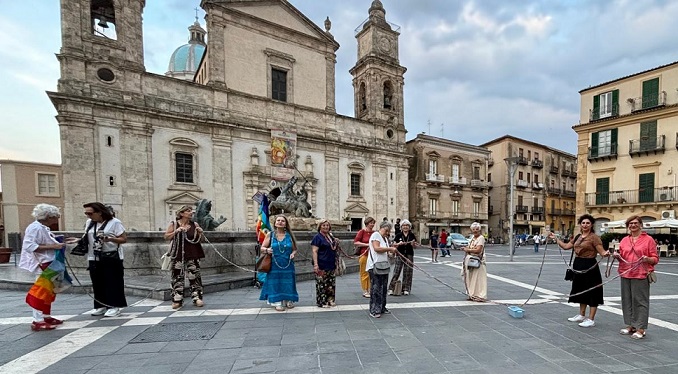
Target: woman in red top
(637, 257)
(362, 242)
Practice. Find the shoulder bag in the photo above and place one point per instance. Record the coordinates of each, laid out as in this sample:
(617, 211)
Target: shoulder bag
(569, 273)
(82, 247)
(474, 261)
(380, 267)
(651, 275)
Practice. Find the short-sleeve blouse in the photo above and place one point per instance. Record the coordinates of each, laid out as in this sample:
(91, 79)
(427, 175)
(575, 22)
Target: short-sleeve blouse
(585, 246)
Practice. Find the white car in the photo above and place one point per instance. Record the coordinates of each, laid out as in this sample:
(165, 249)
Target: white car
(456, 241)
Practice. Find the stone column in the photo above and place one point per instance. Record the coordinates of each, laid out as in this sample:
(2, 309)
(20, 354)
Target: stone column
(330, 62)
(332, 197)
(222, 201)
(215, 42)
(136, 155)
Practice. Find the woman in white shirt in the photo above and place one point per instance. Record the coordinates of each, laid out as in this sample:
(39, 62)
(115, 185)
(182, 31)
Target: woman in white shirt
(37, 252)
(377, 262)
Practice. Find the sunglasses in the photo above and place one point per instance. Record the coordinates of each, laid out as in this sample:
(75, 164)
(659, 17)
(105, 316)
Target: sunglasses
(89, 213)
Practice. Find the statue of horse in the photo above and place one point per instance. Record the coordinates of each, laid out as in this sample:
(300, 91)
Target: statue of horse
(203, 217)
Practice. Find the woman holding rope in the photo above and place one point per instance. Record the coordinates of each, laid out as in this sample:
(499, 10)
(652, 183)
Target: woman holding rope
(324, 247)
(280, 288)
(586, 246)
(362, 245)
(475, 279)
(186, 253)
(636, 249)
(405, 242)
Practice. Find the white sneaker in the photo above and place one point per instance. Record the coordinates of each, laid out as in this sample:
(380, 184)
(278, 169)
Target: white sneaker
(587, 323)
(113, 312)
(577, 318)
(98, 311)
(406, 293)
(390, 292)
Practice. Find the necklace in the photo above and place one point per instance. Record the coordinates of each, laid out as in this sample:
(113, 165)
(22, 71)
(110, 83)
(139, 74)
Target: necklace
(281, 250)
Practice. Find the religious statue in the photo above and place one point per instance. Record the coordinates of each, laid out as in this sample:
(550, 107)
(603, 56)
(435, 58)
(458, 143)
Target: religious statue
(203, 216)
(291, 202)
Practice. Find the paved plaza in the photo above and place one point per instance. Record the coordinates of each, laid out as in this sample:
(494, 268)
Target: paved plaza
(433, 330)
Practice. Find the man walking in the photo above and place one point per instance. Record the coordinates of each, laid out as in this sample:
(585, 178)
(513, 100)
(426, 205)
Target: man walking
(537, 240)
(442, 243)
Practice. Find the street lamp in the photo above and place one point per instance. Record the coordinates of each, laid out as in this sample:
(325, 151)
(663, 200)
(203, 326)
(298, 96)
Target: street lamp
(512, 164)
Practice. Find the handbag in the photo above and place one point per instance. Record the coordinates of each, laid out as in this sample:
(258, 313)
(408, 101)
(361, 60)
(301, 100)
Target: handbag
(340, 266)
(473, 262)
(652, 277)
(165, 262)
(380, 267)
(82, 247)
(569, 273)
(264, 263)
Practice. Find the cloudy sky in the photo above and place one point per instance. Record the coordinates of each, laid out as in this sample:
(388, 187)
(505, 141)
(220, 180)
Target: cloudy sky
(477, 70)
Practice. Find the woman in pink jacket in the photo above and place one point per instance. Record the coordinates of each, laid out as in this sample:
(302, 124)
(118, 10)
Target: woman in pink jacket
(638, 249)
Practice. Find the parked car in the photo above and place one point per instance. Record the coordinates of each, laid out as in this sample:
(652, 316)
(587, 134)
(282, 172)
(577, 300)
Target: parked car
(457, 241)
(558, 236)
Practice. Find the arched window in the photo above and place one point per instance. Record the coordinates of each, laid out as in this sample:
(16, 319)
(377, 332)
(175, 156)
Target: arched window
(388, 95)
(363, 96)
(102, 18)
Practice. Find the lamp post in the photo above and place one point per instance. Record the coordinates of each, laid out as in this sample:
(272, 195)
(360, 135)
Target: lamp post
(512, 164)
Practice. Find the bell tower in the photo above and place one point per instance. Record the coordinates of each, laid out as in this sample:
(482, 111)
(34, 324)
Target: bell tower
(98, 34)
(378, 77)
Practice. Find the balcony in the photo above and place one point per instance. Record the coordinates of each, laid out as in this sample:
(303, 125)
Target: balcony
(436, 178)
(537, 210)
(603, 152)
(608, 111)
(553, 170)
(522, 160)
(567, 193)
(573, 174)
(458, 181)
(538, 186)
(565, 172)
(568, 212)
(638, 147)
(555, 212)
(648, 101)
(554, 191)
(639, 196)
(521, 183)
(477, 183)
(522, 209)
(538, 164)
(478, 216)
(489, 185)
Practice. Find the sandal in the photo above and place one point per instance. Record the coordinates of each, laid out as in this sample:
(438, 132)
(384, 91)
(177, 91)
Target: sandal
(332, 304)
(280, 308)
(53, 321)
(627, 331)
(366, 295)
(290, 305)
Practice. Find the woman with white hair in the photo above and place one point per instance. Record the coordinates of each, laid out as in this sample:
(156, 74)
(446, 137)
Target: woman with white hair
(378, 267)
(405, 242)
(37, 253)
(475, 278)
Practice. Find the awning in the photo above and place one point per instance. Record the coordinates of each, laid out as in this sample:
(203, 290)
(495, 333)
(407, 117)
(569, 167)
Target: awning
(437, 224)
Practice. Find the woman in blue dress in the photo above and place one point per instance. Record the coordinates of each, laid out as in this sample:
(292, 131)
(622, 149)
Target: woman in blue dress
(280, 288)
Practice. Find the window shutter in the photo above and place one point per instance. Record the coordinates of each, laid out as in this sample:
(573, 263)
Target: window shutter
(615, 103)
(602, 191)
(596, 107)
(594, 145)
(613, 141)
(646, 188)
(650, 93)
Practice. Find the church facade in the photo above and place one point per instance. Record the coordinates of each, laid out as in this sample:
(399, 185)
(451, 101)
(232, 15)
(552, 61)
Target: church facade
(146, 143)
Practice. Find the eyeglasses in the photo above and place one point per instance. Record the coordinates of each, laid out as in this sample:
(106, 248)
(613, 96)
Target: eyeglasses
(89, 213)
(634, 223)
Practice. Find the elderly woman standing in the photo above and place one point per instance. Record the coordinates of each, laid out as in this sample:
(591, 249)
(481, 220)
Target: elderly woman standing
(378, 253)
(324, 247)
(362, 243)
(586, 246)
(637, 258)
(475, 278)
(37, 252)
(186, 253)
(405, 242)
(280, 288)
(105, 234)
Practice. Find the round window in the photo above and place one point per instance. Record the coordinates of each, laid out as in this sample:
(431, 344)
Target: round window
(389, 133)
(105, 75)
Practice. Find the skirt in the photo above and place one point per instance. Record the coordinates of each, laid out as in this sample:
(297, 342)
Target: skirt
(584, 281)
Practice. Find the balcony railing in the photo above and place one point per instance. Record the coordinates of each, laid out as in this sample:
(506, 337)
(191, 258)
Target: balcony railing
(568, 212)
(647, 145)
(522, 160)
(554, 191)
(521, 183)
(536, 163)
(522, 209)
(610, 110)
(573, 174)
(553, 170)
(648, 101)
(477, 183)
(440, 215)
(458, 181)
(555, 212)
(537, 210)
(538, 186)
(567, 193)
(604, 151)
(435, 178)
(565, 172)
(639, 196)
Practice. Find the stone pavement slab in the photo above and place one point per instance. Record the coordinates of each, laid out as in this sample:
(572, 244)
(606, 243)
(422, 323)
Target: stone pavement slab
(433, 330)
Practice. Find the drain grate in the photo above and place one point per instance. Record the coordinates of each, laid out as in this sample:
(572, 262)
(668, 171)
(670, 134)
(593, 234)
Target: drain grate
(168, 332)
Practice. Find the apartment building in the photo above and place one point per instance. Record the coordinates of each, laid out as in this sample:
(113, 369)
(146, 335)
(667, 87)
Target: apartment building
(628, 146)
(24, 185)
(544, 187)
(447, 185)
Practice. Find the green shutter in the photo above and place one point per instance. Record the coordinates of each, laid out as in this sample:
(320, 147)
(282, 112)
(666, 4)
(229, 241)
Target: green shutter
(594, 145)
(650, 93)
(648, 136)
(615, 103)
(596, 107)
(613, 141)
(602, 191)
(646, 188)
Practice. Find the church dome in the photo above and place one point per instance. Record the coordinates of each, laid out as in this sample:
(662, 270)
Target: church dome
(186, 59)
